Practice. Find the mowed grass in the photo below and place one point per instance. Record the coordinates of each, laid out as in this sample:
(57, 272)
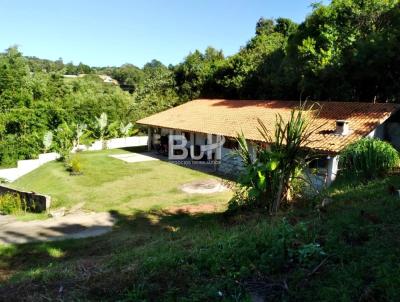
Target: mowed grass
(110, 184)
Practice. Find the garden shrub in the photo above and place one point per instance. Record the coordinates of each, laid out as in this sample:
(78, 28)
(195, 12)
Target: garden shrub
(11, 203)
(369, 158)
(74, 165)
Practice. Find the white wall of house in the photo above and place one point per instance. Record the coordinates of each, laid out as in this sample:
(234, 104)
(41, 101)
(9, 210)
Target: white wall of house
(200, 138)
(332, 170)
(378, 132)
(393, 131)
(231, 164)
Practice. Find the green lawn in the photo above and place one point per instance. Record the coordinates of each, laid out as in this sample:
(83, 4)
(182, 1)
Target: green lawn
(111, 184)
(347, 251)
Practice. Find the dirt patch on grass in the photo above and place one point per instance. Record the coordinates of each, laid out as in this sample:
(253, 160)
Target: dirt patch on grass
(207, 186)
(193, 209)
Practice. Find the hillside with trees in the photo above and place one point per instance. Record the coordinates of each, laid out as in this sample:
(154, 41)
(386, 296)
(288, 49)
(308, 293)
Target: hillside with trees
(345, 51)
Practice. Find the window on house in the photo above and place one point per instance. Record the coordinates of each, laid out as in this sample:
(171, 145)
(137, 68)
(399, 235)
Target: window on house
(231, 143)
(319, 163)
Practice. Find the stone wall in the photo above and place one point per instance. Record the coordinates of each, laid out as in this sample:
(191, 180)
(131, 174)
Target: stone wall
(35, 202)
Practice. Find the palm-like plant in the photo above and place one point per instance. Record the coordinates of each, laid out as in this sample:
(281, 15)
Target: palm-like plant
(269, 177)
(47, 140)
(79, 131)
(290, 142)
(102, 122)
(125, 129)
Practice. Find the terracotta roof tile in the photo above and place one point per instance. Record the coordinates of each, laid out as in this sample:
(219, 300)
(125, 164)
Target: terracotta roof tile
(229, 117)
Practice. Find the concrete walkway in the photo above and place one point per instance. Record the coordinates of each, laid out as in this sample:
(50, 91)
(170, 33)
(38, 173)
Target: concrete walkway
(75, 225)
(135, 157)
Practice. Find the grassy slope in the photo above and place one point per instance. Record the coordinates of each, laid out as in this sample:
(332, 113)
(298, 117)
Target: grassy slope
(213, 257)
(111, 184)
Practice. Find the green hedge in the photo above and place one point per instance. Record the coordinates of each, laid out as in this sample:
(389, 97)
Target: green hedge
(369, 158)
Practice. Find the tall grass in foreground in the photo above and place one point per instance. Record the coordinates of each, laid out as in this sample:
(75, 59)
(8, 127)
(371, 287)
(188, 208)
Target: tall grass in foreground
(369, 158)
(12, 203)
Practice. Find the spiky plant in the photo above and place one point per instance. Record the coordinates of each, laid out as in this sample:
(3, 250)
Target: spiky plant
(285, 153)
(102, 122)
(124, 129)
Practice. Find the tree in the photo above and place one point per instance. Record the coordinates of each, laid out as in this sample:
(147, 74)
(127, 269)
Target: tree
(64, 140)
(265, 26)
(251, 72)
(102, 122)
(157, 92)
(333, 51)
(129, 76)
(195, 75)
(79, 132)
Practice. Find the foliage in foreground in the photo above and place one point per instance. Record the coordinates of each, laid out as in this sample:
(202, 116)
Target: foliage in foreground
(11, 203)
(347, 251)
(369, 158)
(268, 180)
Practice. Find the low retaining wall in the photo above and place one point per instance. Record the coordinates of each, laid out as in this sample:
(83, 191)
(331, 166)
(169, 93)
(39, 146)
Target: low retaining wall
(35, 202)
(115, 143)
(26, 166)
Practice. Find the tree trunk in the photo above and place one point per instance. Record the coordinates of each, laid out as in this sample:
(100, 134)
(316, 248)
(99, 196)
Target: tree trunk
(278, 196)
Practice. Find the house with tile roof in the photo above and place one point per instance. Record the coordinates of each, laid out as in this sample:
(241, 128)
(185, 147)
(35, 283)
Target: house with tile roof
(338, 125)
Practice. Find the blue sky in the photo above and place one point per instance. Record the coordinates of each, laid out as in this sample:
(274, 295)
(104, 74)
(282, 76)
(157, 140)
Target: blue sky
(113, 32)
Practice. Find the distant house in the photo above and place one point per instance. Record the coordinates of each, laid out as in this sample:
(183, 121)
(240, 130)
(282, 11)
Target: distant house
(341, 123)
(70, 76)
(105, 78)
(108, 79)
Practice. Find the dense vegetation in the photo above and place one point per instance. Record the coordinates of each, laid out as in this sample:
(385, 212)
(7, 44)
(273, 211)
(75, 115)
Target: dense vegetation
(347, 50)
(369, 158)
(347, 251)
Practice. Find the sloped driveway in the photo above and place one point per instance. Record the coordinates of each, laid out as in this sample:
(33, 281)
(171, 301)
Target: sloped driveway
(74, 225)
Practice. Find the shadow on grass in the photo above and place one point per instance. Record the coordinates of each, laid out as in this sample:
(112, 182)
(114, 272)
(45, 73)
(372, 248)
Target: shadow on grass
(172, 254)
(49, 269)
